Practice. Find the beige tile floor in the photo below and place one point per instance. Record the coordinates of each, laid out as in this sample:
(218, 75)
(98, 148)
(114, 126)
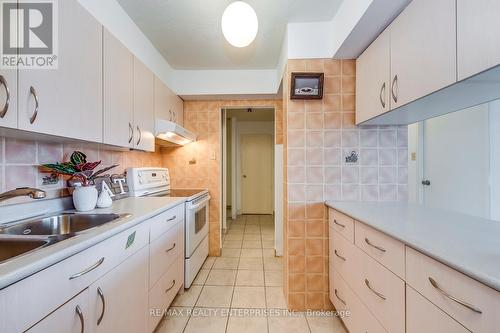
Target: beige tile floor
(242, 291)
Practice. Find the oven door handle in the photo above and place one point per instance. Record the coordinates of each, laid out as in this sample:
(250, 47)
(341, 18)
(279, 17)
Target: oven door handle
(202, 203)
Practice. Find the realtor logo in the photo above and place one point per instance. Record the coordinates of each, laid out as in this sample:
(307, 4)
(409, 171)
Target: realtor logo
(29, 34)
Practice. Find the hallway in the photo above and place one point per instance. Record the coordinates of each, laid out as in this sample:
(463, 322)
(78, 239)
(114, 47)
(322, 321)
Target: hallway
(242, 291)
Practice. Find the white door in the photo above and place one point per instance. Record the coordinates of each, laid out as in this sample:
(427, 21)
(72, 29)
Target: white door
(423, 50)
(373, 76)
(118, 93)
(72, 317)
(456, 161)
(119, 300)
(256, 173)
(477, 36)
(143, 107)
(70, 97)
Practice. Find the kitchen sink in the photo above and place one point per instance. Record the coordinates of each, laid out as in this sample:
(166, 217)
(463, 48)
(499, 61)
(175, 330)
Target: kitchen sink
(60, 224)
(13, 247)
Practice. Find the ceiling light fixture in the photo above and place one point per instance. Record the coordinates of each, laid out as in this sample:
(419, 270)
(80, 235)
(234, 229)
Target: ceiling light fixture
(240, 24)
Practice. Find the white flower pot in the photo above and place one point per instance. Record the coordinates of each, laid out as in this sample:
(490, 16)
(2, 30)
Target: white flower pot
(85, 198)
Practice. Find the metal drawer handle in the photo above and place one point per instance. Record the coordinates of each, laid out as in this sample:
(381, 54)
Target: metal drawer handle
(80, 315)
(453, 298)
(173, 284)
(140, 135)
(381, 249)
(340, 299)
(374, 291)
(338, 255)
(173, 247)
(85, 271)
(131, 132)
(339, 224)
(3, 81)
(37, 104)
(172, 218)
(101, 296)
(382, 95)
(394, 84)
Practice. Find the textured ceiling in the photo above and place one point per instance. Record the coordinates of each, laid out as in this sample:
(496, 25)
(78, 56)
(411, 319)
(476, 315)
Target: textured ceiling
(189, 36)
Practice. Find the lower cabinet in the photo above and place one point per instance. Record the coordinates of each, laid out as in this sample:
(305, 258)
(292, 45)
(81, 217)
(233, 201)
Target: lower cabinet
(72, 317)
(436, 321)
(119, 300)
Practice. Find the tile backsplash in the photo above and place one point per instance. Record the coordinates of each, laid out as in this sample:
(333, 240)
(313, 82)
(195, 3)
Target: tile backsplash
(19, 161)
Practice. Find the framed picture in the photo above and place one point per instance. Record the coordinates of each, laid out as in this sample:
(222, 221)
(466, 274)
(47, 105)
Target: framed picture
(307, 86)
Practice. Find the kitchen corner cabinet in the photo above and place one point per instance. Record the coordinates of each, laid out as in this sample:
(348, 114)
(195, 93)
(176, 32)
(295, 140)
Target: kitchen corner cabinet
(144, 126)
(120, 298)
(373, 79)
(118, 93)
(423, 50)
(69, 97)
(167, 105)
(477, 36)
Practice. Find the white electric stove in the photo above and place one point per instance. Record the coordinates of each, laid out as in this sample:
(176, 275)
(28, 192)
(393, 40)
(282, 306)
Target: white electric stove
(155, 182)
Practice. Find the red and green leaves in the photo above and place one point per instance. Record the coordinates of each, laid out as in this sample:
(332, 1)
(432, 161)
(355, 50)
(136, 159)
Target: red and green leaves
(78, 168)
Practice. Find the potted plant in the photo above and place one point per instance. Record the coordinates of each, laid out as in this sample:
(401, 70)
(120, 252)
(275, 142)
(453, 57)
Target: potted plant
(84, 195)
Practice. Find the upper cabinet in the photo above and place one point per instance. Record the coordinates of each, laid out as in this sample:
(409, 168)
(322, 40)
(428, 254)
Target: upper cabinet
(167, 105)
(423, 50)
(66, 101)
(477, 36)
(118, 93)
(373, 79)
(8, 98)
(143, 107)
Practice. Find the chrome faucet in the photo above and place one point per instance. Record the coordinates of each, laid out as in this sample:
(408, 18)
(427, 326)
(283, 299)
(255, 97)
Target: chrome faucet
(33, 193)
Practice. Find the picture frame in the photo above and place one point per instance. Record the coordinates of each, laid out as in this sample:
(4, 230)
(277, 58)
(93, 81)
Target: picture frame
(307, 86)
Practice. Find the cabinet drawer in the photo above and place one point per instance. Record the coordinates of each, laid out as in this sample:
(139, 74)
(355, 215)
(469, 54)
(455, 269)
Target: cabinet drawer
(381, 291)
(53, 286)
(420, 269)
(67, 318)
(342, 224)
(163, 293)
(436, 321)
(164, 251)
(384, 249)
(342, 256)
(166, 220)
(357, 317)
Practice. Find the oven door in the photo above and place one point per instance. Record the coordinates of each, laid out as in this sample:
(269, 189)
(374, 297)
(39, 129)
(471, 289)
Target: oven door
(196, 223)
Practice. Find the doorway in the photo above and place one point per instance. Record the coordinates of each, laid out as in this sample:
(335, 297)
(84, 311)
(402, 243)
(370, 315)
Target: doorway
(249, 173)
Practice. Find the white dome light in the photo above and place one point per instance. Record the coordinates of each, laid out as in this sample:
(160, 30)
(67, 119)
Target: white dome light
(240, 24)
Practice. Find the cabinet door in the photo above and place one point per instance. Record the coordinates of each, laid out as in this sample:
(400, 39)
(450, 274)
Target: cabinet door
(118, 93)
(8, 98)
(176, 105)
(72, 317)
(436, 321)
(162, 101)
(119, 300)
(70, 97)
(423, 50)
(477, 36)
(373, 79)
(143, 107)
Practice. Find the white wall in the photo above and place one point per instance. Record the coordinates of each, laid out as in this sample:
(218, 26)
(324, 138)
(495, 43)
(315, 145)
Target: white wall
(495, 159)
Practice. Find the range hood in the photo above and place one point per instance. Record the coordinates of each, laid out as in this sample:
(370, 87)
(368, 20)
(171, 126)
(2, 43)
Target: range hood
(168, 132)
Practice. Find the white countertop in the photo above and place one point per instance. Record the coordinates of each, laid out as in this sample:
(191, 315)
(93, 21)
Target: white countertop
(468, 244)
(140, 209)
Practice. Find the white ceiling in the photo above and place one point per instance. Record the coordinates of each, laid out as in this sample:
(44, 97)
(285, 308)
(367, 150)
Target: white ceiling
(188, 34)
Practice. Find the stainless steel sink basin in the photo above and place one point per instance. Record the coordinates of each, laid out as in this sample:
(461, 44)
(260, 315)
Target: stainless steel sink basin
(61, 224)
(13, 247)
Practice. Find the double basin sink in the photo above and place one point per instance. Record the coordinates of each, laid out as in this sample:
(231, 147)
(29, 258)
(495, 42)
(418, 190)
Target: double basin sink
(19, 238)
